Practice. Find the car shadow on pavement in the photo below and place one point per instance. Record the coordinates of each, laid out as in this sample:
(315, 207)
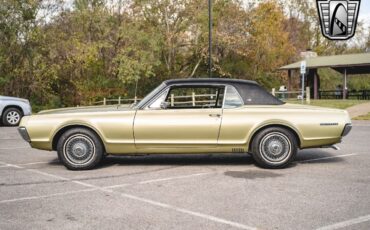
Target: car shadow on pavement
(311, 156)
(180, 159)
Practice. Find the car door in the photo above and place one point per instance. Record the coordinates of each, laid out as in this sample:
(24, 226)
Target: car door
(235, 121)
(181, 116)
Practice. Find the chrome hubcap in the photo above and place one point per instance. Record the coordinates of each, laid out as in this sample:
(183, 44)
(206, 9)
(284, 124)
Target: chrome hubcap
(13, 117)
(275, 147)
(79, 149)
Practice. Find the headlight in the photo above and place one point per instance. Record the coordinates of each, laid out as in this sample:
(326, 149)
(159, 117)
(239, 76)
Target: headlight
(347, 129)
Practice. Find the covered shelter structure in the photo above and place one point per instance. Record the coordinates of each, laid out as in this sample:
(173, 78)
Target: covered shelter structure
(348, 64)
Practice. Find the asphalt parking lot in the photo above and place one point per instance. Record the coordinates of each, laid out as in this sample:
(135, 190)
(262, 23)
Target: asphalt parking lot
(323, 188)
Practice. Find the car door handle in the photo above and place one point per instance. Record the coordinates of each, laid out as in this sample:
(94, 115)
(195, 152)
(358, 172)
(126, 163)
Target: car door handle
(215, 115)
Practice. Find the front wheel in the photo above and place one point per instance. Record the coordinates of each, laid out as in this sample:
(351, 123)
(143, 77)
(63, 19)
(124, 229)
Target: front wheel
(80, 149)
(274, 147)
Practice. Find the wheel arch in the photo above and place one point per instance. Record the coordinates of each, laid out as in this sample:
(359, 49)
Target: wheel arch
(12, 106)
(62, 130)
(288, 127)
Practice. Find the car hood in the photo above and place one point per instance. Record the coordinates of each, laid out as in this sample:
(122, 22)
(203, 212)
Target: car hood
(86, 109)
(13, 98)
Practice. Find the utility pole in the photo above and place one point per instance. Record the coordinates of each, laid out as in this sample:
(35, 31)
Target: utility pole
(210, 38)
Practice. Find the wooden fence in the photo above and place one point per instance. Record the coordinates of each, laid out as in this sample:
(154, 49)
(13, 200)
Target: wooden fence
(324, 94)
(284, 95)
(117, 101)
(179, 100)
(352, 94)
(191, 100)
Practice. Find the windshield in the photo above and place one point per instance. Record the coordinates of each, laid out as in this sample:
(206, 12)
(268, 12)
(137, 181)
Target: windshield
(150, 95)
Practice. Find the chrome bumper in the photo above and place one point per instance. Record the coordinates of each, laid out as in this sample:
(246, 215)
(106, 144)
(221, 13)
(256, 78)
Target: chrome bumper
(24, 134)
(346, 129)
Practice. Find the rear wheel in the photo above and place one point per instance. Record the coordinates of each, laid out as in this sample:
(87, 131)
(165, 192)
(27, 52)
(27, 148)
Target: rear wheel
(12, 117)
(274, 147)
(80, 149)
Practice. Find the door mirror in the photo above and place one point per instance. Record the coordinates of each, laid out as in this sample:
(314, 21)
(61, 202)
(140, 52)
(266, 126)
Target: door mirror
(164, 105)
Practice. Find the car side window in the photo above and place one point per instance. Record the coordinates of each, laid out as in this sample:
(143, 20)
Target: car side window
(156, 104)
(232, 98)
(195, 97)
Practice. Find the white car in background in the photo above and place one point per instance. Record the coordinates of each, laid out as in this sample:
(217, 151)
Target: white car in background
(12, 109)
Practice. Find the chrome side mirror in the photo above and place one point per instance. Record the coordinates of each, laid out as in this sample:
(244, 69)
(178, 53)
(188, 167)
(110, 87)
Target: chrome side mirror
(164, 105)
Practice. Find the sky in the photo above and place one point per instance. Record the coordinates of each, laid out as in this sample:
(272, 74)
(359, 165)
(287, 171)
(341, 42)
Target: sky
(365, 12)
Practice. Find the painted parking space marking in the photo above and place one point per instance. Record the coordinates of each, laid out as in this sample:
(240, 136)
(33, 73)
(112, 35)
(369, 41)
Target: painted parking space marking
(25, 147)
(158, 180)
(94, 189)
(189, 212)
(331, 157)
(105, 187)
(346, 223)
(30, 163)
(173, 178)
(143, 200)
(46, 196)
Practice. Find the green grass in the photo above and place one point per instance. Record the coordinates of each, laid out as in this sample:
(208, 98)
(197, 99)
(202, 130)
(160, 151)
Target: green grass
(363, 117)
(338, 104)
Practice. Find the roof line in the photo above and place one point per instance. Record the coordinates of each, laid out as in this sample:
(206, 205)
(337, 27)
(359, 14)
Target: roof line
(339, 61)
(328, 66)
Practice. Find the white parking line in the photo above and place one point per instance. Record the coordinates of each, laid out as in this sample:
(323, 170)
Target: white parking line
(144, 200)
(46, 196)
(26, 147)
(94, 189)
(38, 163)
(324, 158)
(157, 180)
(173, 178)
(5, 166)
(31, 163)
(346, 223)
(192, 213)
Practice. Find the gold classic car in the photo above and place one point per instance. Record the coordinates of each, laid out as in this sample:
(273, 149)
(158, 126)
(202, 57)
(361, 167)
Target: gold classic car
(188, 116)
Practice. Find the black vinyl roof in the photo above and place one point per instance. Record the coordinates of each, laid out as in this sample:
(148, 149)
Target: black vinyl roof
(209, 80)
(250, 92)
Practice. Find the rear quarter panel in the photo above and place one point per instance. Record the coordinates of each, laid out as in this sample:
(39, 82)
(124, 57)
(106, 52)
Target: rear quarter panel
(239, 125)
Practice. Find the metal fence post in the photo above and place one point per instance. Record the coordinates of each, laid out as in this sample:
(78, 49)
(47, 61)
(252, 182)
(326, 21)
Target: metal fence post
(105, 101)
(273, 91)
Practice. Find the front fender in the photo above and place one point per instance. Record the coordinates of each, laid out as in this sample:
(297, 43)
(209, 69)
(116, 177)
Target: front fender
(80, 124)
